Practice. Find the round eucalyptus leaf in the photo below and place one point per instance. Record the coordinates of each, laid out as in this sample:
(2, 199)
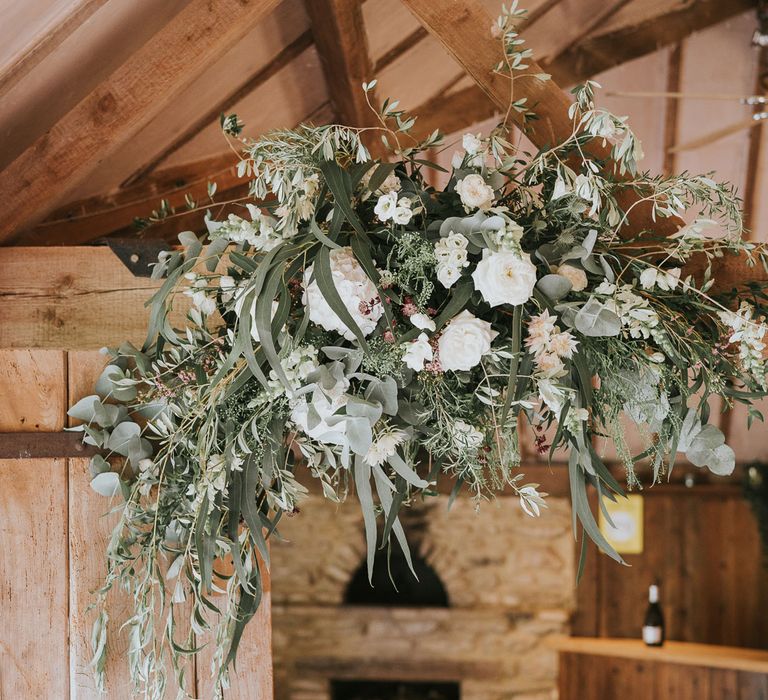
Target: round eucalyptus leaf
(106, 484)
(121, 437)
(554, 287)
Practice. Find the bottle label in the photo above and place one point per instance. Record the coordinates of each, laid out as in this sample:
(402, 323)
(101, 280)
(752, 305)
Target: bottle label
(651, 635)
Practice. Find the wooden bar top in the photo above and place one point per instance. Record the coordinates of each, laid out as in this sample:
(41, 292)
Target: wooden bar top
(686, 653)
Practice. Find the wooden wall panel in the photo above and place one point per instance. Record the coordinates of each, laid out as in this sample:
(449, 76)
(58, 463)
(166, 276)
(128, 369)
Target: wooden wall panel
(71, 298)
(703, 546)
(89, 530)
(594, 677)
(33, 533)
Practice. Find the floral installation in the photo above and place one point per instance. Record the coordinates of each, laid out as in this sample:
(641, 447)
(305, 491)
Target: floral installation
(358, 324)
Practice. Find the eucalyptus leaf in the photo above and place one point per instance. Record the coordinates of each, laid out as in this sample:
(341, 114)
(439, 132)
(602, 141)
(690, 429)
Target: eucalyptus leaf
(106, 484)
(554, 287)
(595, 319)
(122, 436)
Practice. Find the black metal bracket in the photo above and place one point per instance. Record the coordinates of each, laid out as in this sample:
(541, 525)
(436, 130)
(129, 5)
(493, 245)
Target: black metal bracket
(136, 254)
(44, 446)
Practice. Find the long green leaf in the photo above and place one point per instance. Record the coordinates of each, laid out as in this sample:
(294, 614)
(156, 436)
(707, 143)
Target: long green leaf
(325, 283)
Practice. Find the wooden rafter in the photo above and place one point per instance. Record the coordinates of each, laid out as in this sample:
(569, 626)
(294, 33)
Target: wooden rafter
(60, 27)
(290, 52)
(118, 108)
(339, 32)
(95, 217)
(588, 58)
(657, 29)
(463, 28)
(565, 24)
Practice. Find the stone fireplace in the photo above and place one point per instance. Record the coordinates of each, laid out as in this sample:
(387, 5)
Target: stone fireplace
(494, 585)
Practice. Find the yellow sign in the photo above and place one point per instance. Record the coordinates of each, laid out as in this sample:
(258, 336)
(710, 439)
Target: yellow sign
(626, 535)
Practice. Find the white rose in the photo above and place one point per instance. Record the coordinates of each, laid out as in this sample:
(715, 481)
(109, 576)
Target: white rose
(418, 352)
(472, 143)
(505, 278)
(575, 275)
(402, 214)
(474, 193)
(464, 342)
(385, 207)
(423, 322)
(356, 290)
(447, 275)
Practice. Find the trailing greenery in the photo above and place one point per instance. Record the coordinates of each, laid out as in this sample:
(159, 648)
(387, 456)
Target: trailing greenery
(356, 322)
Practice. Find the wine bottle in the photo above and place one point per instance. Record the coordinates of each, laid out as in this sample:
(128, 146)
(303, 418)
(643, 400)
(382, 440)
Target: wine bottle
(653, 626)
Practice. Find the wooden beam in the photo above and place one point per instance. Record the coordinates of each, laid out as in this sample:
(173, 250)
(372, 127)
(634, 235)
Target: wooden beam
(95, 217)
(599, 52)
(339, 32)
(71, 298)
(591, 56)
(88, 219)
(107, 118)
(52, 34)
(565, 24)
(290, 52)
(464, 30)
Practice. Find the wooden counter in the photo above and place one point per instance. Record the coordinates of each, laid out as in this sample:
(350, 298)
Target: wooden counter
(626, 669)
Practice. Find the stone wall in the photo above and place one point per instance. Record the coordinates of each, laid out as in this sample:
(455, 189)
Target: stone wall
(509, 578)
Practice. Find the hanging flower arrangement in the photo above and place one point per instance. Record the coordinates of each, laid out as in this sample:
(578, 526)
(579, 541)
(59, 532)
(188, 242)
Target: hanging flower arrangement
(365, 327)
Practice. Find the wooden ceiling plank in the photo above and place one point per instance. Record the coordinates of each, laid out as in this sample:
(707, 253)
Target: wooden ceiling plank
(288, 54)
(47, 41)
(339, 32)
(107, 118)
(566, 24)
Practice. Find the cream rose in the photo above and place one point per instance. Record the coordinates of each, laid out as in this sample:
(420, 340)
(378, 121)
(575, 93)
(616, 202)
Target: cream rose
(474, 193)
(464, 342)
(575, 275)
(505, 278)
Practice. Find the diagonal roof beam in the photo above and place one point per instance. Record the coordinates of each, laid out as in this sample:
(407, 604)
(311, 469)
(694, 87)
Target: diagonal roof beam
(117, 109)
(463, 30)
(588, 57)
(339, 32)
(52, 35)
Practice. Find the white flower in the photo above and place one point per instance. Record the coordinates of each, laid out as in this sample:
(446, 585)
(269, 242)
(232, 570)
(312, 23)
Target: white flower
(227, 285)
(474, 193)
(552, 395)
(417, 352)
(422, 321)
(560, 189)
(384, 447)
(402, 214)
(472, 143)
(466, 436)
(666, 280)
(356, 290)
(505, 278)
(575, 275)
(391, 184)
(531, 501)
(549, 364)
(563, 344)
(464, 342)
(385, 207)
(447, 275)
